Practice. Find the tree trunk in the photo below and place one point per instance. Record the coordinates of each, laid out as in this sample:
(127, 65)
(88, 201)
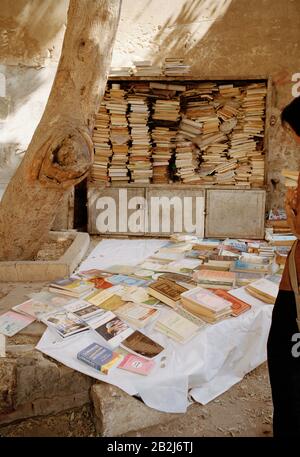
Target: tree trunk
(61, 151)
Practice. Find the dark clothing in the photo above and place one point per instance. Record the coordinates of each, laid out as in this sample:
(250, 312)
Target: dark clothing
(284, 369)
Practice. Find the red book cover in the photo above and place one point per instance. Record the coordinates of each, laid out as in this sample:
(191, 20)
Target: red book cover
(238, 306)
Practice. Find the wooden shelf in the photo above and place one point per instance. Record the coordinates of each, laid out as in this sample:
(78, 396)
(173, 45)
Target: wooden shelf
(174, 185)
(198, 78)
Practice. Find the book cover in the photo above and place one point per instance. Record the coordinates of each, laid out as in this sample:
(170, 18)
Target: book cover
(72, 287)
(167, 289)
(137, 364)
(206, 299)
(138, 314)
(141, 344)
(214, 276)
(36, 309)
(65, 323)
(112, 329)
(84, 310)
(127, 280)
(99, 357)
(106, 299)
(176, 326)
(12, 323)
(238, 306)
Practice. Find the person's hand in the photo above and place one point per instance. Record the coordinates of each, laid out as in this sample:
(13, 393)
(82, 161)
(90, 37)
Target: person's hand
(292, 208)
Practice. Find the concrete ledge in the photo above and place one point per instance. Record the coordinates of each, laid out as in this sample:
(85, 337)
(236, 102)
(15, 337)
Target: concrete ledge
(48, 270)
(116, 412)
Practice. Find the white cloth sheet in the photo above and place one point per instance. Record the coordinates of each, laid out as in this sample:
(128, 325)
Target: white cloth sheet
(205, 367)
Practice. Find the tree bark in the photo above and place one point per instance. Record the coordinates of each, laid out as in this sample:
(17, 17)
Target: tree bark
(61, 151)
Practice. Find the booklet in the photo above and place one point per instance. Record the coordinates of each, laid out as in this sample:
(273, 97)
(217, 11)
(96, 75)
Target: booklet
(12, 323)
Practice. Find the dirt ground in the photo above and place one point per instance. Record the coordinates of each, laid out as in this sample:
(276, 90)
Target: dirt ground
(243, 411)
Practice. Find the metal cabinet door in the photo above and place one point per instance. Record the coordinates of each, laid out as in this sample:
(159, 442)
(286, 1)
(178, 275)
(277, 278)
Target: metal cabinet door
(235, 213)
(116, 211)
(175, 210)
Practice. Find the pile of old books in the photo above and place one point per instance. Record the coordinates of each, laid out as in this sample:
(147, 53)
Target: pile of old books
(146, 68)
(140, 151)
(175, 66)
(163, 139)
(102, 147)
(117, 105)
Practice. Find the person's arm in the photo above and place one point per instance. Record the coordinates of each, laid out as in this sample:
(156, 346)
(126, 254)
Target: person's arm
(292, 207)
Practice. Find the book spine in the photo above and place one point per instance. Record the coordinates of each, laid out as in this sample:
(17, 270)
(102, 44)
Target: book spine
(89, 362)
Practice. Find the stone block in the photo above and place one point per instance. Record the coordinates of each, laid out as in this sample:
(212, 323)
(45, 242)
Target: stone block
(7, 384)
(117, 413)
(33, 385)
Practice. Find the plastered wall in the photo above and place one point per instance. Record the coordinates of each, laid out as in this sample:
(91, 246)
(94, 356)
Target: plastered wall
(219, 38)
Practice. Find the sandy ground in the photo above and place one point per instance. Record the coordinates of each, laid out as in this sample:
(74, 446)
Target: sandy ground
(244, 410)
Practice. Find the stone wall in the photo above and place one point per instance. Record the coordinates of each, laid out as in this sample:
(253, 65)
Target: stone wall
(219, 38)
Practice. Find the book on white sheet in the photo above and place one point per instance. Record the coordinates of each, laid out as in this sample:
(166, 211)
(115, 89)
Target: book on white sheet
(137, 314)
(176, 327)
(243, 295)
(111, 330)
(65, 323)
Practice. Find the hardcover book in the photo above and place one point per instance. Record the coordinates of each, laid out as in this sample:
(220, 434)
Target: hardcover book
(99, 357)
(166, 291)
(143, 345)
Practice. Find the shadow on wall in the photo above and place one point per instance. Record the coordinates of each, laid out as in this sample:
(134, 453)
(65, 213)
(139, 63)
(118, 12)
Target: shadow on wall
(228, 37)
(28, 28)
(181, 35)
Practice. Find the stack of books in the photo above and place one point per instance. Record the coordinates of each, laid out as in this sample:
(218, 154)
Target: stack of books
(186, 160)
(102, 147)
(120, 71)
(166, 110)
(264, 290)
(119, 133)
(163, 139)
(146, 68)
(175, 66)
(76, 288)
(254, 117)
(214, 279)
(140, 151)
(205, 304)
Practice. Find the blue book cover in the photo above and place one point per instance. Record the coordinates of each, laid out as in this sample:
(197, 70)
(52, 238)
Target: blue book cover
(128, 280)
(99, 357)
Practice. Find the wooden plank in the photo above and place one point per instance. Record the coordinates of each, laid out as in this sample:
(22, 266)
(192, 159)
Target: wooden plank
(194, 78)
(173, 186)
(235, 214)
